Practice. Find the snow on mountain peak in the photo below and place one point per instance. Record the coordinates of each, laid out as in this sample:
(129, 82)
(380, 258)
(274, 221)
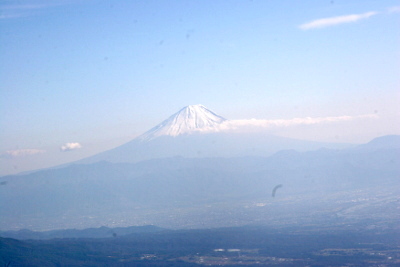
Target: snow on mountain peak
(193, 118)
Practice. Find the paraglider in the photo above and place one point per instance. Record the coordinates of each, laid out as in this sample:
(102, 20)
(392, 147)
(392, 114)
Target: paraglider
(276, 188)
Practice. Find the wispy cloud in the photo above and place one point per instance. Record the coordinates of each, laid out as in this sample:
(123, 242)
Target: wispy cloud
(21, 153)
(246, 124)
(70, 146)
(10, 10)
(18, 11)
(394, 9)
(11, 16)
(232, 124)
(326, 22)
(24, 6)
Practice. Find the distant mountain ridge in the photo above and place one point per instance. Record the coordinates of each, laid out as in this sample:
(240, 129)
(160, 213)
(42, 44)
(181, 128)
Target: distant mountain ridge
(199, 145)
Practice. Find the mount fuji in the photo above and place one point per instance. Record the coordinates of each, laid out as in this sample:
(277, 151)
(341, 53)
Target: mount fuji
(188, 120)
(195, 131)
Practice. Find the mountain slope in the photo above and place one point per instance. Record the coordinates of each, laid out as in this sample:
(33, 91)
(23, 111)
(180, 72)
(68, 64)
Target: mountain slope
(199, 145)
(379, 143)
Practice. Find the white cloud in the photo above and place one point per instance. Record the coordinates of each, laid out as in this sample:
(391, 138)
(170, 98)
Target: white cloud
(293, 122)
(269, 124)
(326, 22)
(21, 153)
(70, 146)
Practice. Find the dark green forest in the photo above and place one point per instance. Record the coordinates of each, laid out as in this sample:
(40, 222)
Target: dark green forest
(236, 246)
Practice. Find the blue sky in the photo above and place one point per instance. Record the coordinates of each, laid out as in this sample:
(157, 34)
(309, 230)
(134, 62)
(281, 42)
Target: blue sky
(95, 74)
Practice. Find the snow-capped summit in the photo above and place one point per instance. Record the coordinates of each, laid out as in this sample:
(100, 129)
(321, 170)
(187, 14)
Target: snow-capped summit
(193, 118)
